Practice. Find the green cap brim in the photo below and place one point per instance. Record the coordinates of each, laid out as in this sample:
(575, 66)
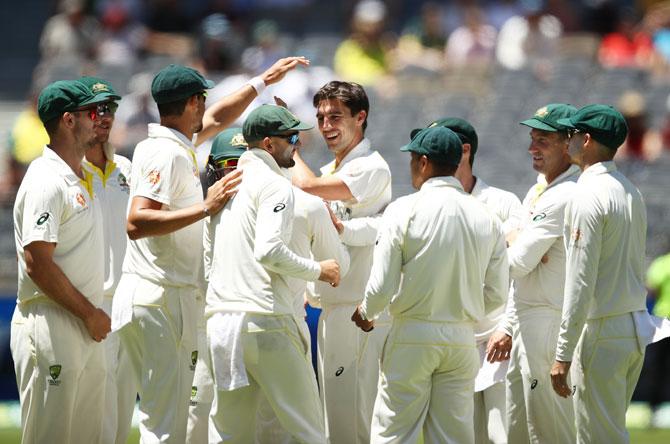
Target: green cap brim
(302, 126)
(100, 98)
(405, 147)
(534, 123)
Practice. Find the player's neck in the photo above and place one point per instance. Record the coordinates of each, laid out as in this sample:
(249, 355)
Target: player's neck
(465, 177)
(96, 156)
(339, 157)
(178, 123)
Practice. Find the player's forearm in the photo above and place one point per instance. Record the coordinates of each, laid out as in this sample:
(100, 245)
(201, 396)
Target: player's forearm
(48, 276)
(360, 232)
(223, 113)
(148, 222)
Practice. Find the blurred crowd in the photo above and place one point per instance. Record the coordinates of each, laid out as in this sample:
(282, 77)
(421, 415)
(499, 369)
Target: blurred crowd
(373, 41)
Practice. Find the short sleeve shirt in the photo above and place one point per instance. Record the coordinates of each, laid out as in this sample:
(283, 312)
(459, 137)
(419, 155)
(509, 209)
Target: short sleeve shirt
(54, 205)
(165, 170)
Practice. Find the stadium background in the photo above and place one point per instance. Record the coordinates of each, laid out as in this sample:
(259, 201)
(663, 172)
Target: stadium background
(411, 82)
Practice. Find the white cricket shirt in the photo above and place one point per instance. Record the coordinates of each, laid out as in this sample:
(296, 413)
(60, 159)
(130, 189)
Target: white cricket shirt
(440, 257)
(165, 170)
(368, 177)
(112, 189)
(251, 262)
(605, 234)
(54, 205)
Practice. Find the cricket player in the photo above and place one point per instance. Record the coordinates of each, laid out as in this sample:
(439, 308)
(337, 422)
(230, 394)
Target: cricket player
(441, 263)
(357, 183)
(605, 234)
(535, 414)
(155, 305)
(490, 421)
(255, 344)
(58, 322)
(110, 173)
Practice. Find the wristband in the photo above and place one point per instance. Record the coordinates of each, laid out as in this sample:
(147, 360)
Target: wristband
(205, 210)
(258, 84)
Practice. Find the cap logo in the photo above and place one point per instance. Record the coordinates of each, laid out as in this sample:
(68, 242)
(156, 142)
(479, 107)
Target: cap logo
(99, 87)
(541, 112)
(238, 140)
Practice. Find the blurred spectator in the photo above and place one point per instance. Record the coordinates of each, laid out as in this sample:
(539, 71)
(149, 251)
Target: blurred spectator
(71, 34)
(136, 111)
(629, 46)
(498, 12)
(665, 129)
(643, 142)
(657, 366)
(529, 40)
(267, 47)
(220, 44)
(26, 142)
(122, 38)
(473, 43)
(423, 41)
(363, 57)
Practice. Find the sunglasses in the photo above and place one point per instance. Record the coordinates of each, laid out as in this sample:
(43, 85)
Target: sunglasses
(100, 110)
(572, 132)
(291, 138)
(227, 163)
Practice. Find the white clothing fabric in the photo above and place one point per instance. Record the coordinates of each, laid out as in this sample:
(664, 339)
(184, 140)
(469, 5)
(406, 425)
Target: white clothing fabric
(54, 205)
(489, 413)
(165, 170)
(111, 188)
(440, 263)
(257, 226)
(348, 359)
(225, 335)
(605, 237)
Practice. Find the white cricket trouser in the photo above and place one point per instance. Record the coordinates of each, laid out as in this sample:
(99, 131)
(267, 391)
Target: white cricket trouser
(202, 393)
(162, 346)
(348, 365)
(121, 387)
(535, 413)
(276, 358)
(60, 374)
(426, 383)
(490, 419)
(606, 366)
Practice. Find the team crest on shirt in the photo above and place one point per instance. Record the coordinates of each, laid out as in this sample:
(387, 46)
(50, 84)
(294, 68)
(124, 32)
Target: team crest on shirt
(154, 177)
(541, 112)
(123, 183)
(81, 200)
(194, 358)
(54, 372)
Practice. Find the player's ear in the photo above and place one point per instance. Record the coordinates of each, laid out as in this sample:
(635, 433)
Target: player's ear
(360, 117)
(267, 145)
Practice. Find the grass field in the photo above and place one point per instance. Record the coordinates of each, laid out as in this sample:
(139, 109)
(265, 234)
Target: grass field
(637, 436)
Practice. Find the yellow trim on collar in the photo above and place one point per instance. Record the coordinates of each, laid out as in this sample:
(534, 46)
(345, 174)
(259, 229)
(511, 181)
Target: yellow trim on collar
(110, 166)
(87, 182)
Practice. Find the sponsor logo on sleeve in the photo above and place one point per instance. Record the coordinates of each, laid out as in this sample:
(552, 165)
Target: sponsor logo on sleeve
(43, 218)
(154, 177)
(279, 207)
(539, 217)
(339, 371)
(194, 358)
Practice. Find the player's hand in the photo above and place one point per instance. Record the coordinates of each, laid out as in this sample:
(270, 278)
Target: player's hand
(330, 272)
(361, 323)
(499, 347)
(280, 102)
(559, 378)
(98, 324)
(277, 71)
(222, 191)
(339, 226)
(544, 259)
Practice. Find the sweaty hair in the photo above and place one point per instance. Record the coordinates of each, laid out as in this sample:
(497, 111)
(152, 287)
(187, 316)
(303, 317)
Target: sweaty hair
(443, 168)
(175, 108)
(351, 94)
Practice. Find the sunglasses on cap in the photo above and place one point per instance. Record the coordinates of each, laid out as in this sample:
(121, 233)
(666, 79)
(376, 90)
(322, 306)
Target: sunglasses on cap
(100, 110)
(573, 131)
(292, 139)
(216, 169)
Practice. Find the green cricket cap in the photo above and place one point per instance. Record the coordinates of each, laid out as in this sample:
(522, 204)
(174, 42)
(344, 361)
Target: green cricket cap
(603, 122)
(177, 82)
(438, 143)
(228, 144)
(463, 129)
(271, 120)
(63, 96)
(100, 87)
(547, 117)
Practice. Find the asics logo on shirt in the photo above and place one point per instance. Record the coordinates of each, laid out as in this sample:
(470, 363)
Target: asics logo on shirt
(43, 218)
(279, 207)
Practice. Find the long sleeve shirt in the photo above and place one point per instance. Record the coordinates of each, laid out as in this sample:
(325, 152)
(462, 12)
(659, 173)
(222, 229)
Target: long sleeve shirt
(605, 235)
(440, 257)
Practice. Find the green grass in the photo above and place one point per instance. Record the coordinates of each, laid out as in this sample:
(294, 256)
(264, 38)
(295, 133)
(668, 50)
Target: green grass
(637, 436)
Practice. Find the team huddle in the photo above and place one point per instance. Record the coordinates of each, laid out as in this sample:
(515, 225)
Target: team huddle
(456, 314)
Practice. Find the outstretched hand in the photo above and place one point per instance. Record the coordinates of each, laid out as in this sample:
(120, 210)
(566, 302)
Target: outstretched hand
(277, 71)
